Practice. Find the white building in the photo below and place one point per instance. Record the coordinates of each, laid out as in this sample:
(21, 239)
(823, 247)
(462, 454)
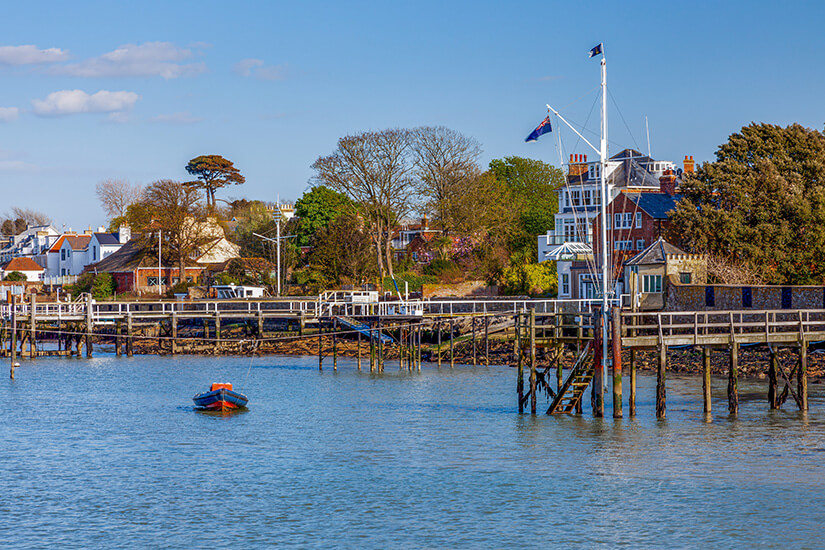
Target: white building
(34, 240)
(570, 245)
(24, 265)
(71, 253)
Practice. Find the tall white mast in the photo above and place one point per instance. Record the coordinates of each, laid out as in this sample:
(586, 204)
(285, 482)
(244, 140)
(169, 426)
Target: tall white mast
(603, 226)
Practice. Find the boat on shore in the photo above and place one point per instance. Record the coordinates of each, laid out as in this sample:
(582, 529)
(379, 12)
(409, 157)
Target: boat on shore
(220, 397)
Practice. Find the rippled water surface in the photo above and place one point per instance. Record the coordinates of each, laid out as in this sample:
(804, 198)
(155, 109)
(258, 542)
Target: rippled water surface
(109, 453)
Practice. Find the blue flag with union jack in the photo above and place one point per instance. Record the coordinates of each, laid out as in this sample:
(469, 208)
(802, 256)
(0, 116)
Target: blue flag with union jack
(540, 130)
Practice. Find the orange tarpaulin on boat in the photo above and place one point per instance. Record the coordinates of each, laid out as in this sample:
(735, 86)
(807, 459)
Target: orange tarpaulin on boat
(220, 386)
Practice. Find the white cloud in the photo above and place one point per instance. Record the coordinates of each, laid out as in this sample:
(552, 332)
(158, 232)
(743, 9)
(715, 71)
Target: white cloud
(256, 68)
(30, 55)
(162, 59)
(7, 114)
(67, 102)
(176, 118)
(16, 166)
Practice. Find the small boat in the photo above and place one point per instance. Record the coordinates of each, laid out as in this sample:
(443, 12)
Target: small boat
(220, 397)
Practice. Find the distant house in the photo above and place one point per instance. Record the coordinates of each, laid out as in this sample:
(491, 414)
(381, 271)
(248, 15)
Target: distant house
(405, 234)
(35, 240)
(24, 265)
(649, 272)
(72, 252)
(134, 267)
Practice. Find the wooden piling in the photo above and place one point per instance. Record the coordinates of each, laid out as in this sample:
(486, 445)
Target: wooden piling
(597, 393)
(533, 380)
(617, 362)
(486, 341)
(260, 324)
(33, 325)
(13, 335)
(802, 375)
(372, 348)
(359, 351)
(438, 354)
(706, 351)
(661, 380)
(118, 338)
(401, 342)
(733, 375)
(320, 345)
(452, 333)
(173, 321)
(380, 348)
(89, 326)
(557, 333)
(773, 402)
(129, 335)
(631, 398)
(474, 341)
(519, 365)
(335, 344)
(418, 347)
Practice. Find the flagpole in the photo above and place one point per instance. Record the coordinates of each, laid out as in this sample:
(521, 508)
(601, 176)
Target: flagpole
(603, 226)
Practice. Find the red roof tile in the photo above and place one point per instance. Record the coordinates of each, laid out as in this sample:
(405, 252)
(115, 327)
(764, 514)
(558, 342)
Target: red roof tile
(22, 264)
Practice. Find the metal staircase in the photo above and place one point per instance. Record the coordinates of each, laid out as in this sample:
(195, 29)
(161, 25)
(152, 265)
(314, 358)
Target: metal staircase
(364, 329)
(572, 390)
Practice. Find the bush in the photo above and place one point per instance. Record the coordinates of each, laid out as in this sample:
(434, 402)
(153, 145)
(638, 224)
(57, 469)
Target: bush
(84, 284)
(103, 286)
(446, 270)
(15, 276)
(179, 288)
(532, 279)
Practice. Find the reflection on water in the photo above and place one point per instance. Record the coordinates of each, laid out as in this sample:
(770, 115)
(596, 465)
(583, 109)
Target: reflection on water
(110, 453)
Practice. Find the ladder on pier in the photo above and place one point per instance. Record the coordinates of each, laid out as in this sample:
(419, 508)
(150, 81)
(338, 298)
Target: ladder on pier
(572, 390)
(364, 329)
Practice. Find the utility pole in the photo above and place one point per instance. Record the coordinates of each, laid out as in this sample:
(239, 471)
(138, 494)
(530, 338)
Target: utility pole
(277, 241)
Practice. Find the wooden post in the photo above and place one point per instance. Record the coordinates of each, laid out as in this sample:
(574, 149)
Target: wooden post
(118, 338)
(359, 351)
(129, 335)
(33, 321)
(335, 344)
(519, 365)
(486, 341)
(320, 345)
(173, 320)
(772, 395)
(452, 332)
(631, 399)
(532, 361)
(474, 341)
(380, 348)
(706, 351)
(418, 347)
(218, 329)
(598, 370)
(733, 375)
(89, 326)
(661, 379)
(372, 348)
(617, 362)
(205, 329)
(438, 354)
(260, 324)
(802, 375)
(559, 351)
(13, 335)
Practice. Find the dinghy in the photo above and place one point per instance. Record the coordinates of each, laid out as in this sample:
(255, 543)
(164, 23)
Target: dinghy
(220, 397)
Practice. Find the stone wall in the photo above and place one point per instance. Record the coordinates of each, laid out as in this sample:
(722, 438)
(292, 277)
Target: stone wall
(732, 297)
(459, 290)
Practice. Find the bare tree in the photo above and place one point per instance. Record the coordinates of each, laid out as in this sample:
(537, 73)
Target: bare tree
(18, 219)
(446, 162)
(178, 214)
(374, 169)
(728, 271)
(115, 196)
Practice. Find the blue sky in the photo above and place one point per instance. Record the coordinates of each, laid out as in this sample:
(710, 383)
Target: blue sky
(272, 85)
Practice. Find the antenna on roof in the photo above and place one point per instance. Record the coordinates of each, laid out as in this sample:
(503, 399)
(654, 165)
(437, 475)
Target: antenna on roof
(647, 129)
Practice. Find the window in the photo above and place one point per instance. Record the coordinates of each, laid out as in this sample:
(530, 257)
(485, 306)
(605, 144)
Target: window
(638, 220)
(576, 196)
(565, 284)
(189, 279)
(623, 245)
(651, 283)
(623, 220)
(153, 281)
(640, 244)
(685, 278)
(175, 280)
(747, 297)
(69, 253)
(710, 297)
(415, 256)
(586, 193)
(62, 254)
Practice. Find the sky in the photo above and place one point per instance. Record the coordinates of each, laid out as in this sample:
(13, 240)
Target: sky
(134, 90)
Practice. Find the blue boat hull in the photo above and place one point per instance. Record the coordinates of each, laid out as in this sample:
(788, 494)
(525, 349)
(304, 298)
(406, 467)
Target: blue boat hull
(220, 400)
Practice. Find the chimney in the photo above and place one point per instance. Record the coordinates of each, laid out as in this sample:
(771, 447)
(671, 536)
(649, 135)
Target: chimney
(124, 233)
(424, 223)
(689, 164)
(578, 165)
(88, 231)
(101, 229)
(667, 182)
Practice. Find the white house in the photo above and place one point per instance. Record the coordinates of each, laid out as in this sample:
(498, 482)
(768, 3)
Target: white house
(71, 253)
(33, 241)
(24, 265)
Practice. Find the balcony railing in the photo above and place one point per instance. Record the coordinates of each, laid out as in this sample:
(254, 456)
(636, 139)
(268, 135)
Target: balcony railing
(554, 239)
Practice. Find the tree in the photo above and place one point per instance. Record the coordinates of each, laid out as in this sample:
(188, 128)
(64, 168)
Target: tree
(103, 286)
(374, 169)
(445, 161)
(342, 251)
(213, 172)
(761, 204)
(178, 215)
(532, 185)
(115, 196)
(316, 209)
(15, 276)
(18, 219)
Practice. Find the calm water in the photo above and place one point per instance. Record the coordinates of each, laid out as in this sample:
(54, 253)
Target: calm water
(109, 453)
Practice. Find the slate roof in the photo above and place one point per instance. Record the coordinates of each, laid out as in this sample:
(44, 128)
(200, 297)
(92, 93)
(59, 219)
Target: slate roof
(130, 257)
(656, 253)
(22, 264)
(107, 238)
(657, 205)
